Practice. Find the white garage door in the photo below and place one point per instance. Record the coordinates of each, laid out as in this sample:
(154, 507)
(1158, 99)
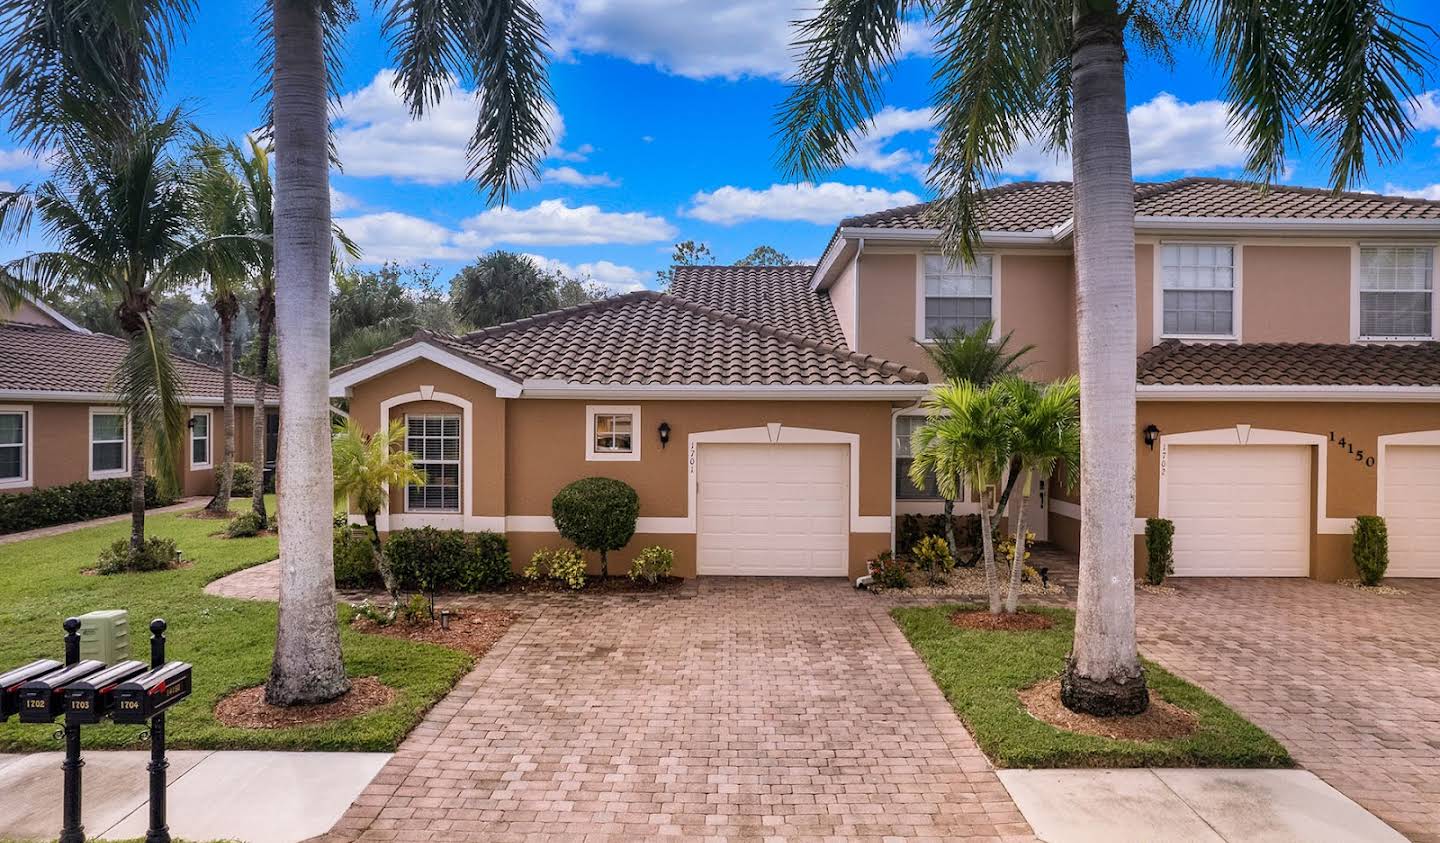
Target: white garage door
(1412, 509)
(1240, 511)
(773, 510)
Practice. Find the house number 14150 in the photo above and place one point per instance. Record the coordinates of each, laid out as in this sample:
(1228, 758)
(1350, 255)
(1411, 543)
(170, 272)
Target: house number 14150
(1358, 454)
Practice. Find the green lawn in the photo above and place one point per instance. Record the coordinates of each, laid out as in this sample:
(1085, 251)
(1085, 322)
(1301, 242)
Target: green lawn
(230, 642)
(980, 673)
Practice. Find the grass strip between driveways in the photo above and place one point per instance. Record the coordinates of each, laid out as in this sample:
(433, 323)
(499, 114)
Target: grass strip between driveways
(980, 673)
(230, 642)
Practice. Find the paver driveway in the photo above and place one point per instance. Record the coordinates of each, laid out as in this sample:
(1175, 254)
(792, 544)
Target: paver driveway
(1350, 682)
(786, 708)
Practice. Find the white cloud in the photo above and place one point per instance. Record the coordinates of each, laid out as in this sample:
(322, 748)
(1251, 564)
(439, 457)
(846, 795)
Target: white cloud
(579, 153)
(818, 203)
(18, 159)
(575, 178)
(554, 223)
(870, 152)
(1425, 112)
(393, 236)
(699, 39)
(1427, 192)
(340, 202)
(612, 276)
(376, 137)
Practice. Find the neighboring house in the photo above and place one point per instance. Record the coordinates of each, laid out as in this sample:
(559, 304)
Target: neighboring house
(59, 422)
(1287, 371)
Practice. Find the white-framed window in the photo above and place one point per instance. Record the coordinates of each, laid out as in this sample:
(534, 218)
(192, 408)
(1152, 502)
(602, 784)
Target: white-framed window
(956, 296)
(109, 443)
(905, 489)
(15, 447)
(612, 432)
(200, 450)
(1396, 292)
(1197, 290)
(434, 442)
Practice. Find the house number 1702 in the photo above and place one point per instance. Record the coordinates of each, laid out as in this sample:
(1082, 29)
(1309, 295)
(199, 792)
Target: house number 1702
(1357, 453)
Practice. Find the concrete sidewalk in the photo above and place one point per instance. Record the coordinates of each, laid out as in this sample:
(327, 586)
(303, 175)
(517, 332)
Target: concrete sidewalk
(254, 797)
(1204, 806)
(60, 529)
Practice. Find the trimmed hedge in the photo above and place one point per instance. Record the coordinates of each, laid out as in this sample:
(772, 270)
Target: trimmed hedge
(1370, 548)
(72, 502)
(354, 560)
(430, 560)
(1159, 549)
(242, 485)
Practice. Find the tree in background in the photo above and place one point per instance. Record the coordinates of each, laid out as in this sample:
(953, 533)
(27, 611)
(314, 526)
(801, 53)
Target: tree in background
(373, 308)
(763, 255)
(1014, 71)
(501, 287)
(685, 253)
(570, 291)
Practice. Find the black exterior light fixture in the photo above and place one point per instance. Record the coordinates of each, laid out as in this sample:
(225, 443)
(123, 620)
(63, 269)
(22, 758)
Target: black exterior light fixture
(1151, 434)
(664, 431)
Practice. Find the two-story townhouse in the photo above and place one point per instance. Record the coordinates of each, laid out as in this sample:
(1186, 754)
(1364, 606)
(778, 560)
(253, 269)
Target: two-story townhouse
(1287, 373)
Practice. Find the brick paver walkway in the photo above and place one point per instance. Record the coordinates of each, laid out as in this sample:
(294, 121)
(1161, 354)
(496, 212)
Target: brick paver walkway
(756, 708)
(1348, 681)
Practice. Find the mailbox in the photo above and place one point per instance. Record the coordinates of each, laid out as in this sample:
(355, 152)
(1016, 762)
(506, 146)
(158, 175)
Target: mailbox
(139, 699)
(10, 684)
(93, 698)
(43, 699)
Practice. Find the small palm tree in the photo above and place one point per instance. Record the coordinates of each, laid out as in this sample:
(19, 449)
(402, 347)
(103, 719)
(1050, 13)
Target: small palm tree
(121, 208)
(967, 433)
(1044, 433)
(366, 466)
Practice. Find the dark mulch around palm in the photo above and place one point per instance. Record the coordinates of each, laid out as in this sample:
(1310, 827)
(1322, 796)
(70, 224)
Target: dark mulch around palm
(473, 632)
(1010, 622)
(247, 709)
(1161, 721)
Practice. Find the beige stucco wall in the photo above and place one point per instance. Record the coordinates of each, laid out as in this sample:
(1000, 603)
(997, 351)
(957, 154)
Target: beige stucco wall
(27, 314)
(1036, 309)
(842, 298)
(888, 294)
(1295, 294)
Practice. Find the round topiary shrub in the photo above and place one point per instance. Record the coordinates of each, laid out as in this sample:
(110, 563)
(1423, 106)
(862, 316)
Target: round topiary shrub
(244, 525)
(156, 554)
(597, 514)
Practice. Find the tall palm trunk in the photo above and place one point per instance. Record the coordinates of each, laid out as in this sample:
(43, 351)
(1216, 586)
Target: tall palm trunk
(1103, 675)
(265, 308)
(225, 308)
(987, 546)
(1017, 563)
(948, 513)
(307, 667)
(137, 491)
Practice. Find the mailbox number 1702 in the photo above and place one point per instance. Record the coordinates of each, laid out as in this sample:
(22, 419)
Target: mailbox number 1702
(1350, 448)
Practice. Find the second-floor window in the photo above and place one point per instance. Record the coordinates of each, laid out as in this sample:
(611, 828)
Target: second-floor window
(1397, 292)
(905, 488)
(434, 442)
(958, 296)
(1197, 284)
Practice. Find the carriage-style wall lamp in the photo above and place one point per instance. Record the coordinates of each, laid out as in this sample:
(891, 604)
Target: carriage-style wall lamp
(1151, 434)
(664, 431)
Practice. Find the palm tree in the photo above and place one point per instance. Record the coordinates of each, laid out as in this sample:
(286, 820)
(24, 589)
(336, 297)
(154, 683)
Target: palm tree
(99, 54)
(1044, 433)
(120, 207)
(366, 466)
(501, 287)
(967, 433)
(1008, 71)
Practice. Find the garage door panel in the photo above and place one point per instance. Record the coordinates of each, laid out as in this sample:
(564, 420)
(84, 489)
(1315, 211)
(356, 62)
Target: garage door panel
(1239, 510)
(1412, 509)
(773, 510)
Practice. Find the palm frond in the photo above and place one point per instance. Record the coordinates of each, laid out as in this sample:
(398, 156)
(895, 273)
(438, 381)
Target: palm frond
(845, 53)
(499, 48)
(971, 357)
(365, 464)
(148, 386)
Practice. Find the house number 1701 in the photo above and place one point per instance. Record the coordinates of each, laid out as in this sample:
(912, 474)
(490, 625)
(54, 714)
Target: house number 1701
(1357, 453)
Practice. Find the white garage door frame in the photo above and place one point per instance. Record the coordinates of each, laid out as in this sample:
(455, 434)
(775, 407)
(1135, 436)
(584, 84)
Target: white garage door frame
(1383, 443)
(1244, 434)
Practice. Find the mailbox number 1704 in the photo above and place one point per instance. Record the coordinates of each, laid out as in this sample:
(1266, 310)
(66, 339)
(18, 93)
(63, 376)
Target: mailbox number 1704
(1350, 448)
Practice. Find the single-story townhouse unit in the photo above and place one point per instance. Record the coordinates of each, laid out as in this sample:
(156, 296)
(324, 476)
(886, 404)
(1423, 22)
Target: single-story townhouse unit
(59, 422)
(1287, 374)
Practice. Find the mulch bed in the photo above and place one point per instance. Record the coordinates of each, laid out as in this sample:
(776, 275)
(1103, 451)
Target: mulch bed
(1371, 589)
(205, 514)
(1019, 621)
(1157, 590)
(247, 709)
(1161, 721)
(474, 632)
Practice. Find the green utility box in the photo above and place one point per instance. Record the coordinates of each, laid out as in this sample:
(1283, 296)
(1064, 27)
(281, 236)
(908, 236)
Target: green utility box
(105, 636)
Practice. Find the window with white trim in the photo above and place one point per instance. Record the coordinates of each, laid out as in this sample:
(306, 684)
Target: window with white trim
(434, 443)
(905, 488)
(109, 448)
(14, 440)
(200, 439)
(612, 432)
(1197, 288)
(1397, 292)
(958, 296)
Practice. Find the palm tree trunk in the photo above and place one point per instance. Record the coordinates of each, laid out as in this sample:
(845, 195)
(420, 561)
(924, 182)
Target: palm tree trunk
(949, 514)
(137, 492)
(377, 551)
(225, 478)
(307, 667)
(1103, 676)
(1017, 564)
(987, 544)
(266, 309)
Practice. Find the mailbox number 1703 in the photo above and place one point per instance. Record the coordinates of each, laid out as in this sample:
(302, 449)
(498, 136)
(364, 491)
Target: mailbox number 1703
(1350, 448)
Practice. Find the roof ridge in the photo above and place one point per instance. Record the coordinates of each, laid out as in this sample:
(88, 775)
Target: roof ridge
(104, 337)
(1296, 188)
(703, 266)
(884, 367)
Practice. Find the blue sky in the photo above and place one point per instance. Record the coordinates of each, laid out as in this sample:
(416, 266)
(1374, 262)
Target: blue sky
(665, 132)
